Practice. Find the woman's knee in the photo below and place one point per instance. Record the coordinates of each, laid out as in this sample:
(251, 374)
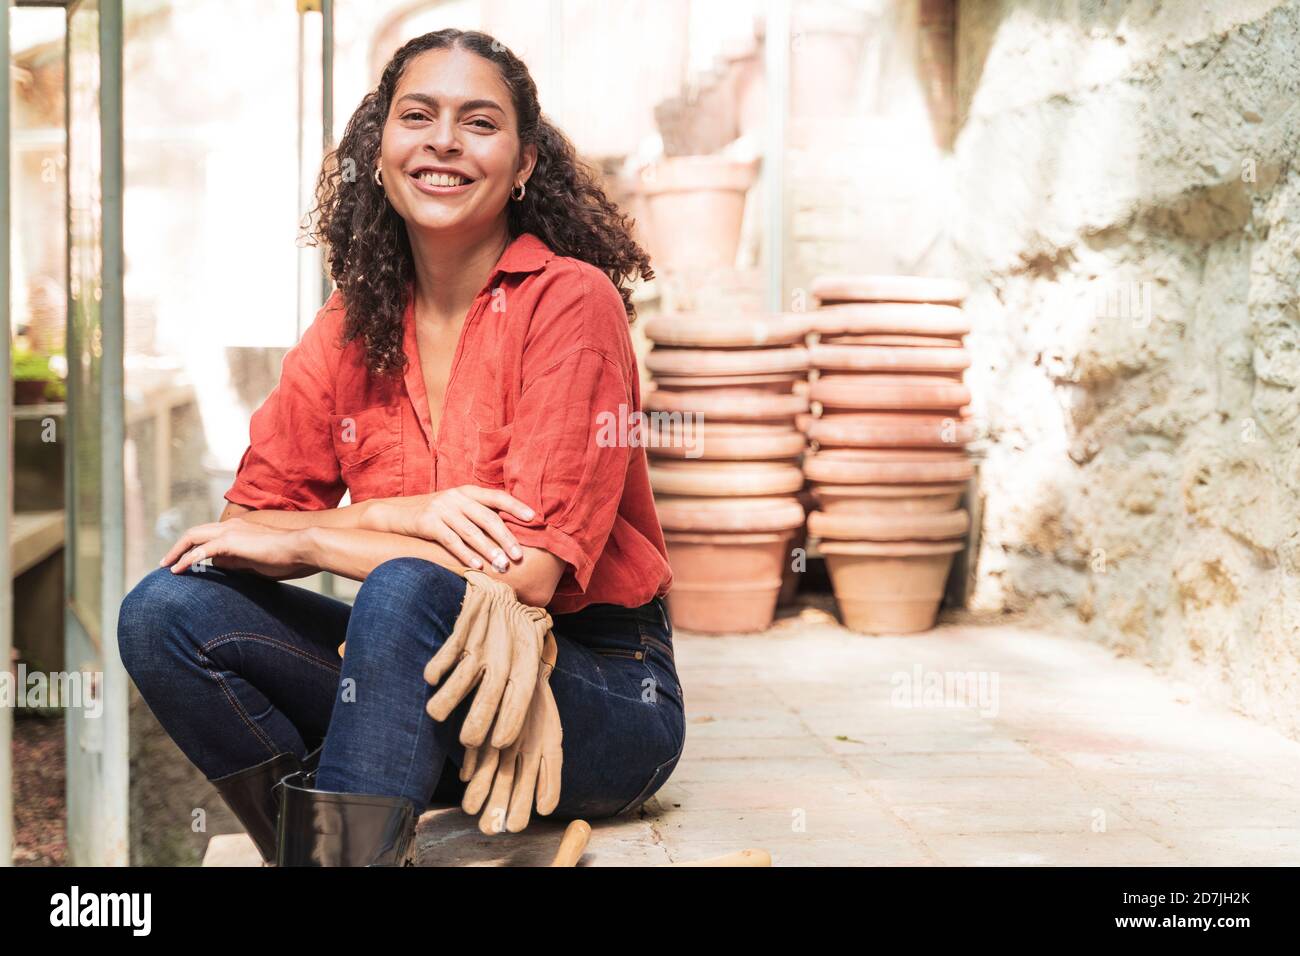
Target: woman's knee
(401, 575)
(407, 597)
(151, 616)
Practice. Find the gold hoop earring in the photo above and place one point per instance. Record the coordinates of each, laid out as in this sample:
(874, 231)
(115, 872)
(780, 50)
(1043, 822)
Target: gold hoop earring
(523, 188)
(379, 180)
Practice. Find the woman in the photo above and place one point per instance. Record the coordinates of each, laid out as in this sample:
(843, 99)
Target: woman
(456, 384)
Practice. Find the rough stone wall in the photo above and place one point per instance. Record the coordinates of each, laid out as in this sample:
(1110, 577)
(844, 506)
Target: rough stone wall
(1129, 214)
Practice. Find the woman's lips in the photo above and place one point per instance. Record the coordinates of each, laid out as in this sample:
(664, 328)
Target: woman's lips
(433, 190)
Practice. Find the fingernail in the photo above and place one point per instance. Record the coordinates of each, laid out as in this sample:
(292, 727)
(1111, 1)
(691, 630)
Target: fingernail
(516, 553)
(499, 562)
(528, 512)
(478, 563)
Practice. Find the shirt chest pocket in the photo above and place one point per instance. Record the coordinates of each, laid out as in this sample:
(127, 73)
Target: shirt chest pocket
(490, 455)
(368, 445)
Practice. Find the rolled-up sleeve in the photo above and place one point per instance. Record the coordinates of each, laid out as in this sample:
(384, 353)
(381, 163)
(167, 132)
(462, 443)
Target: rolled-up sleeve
(290, 464)
(569, 449)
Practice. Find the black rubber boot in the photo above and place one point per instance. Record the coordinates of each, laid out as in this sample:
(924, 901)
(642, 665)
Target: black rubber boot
(323, 828)
(253, 797)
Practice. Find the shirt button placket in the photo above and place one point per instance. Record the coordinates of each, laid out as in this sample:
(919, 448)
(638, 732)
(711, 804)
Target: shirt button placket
(475, 310)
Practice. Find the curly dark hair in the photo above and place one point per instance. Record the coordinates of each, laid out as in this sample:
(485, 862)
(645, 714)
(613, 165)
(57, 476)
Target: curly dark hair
(368, 250)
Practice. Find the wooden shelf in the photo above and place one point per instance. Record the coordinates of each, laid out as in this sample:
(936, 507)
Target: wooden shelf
(35, 536)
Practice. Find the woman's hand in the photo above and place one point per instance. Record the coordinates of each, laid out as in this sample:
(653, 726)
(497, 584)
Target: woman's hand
(463, 520)
(240, 545)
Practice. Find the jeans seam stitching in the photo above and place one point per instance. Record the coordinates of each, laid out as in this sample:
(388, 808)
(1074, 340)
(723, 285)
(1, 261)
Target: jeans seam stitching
(426, 692)
(661, 646)
(642, 795)
(645, 661)
(667, 651)
(580, 679)
(604, 690)
(415, 747)
(281, 645)
(242, 712)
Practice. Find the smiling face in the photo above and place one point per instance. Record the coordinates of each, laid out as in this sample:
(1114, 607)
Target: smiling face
(452, 120)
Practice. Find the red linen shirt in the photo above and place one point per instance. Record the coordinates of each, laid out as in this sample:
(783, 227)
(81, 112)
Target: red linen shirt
(543, 375)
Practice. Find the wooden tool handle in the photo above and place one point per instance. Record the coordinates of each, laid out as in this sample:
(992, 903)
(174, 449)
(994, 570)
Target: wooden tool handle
(572, 845)
(739, 858)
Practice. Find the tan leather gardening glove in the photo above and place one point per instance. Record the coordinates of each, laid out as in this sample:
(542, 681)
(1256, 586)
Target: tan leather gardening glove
(529, 769)
(494, 650)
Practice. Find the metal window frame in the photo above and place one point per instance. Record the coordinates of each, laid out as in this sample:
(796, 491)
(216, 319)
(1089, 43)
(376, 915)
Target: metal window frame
(98, 784)
(6, 469)
(7, 447)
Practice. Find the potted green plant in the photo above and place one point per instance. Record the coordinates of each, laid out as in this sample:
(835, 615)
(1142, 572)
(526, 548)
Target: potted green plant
(34, 380)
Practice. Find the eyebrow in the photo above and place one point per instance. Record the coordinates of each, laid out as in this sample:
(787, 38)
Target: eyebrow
(432, 101)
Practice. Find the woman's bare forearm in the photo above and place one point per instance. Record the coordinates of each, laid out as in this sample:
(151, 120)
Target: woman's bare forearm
(350, 516)
(355, 552)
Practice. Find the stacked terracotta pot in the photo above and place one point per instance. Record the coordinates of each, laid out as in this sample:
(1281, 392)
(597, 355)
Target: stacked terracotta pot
(889, 465)
(724, 461)
(689, 210)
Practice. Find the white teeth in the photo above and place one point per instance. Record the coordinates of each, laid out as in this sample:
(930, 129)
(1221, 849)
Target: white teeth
(442, 179)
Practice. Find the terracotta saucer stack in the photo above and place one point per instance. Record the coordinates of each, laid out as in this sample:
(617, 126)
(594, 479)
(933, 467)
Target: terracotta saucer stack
(724, 452)
(889, 463)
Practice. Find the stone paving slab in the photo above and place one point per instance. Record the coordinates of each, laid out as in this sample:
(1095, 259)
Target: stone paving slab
(969, 745)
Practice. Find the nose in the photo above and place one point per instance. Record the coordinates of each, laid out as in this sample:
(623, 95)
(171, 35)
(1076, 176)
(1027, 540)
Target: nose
(444, 135)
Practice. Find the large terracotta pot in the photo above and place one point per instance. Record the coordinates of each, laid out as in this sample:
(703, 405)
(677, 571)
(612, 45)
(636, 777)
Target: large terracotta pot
(883, 526)
(888, 392)
(890, 430)
(963, 414)
(894, 339)
(889, 587)
(887, 499)
(725, 582)
(826, 42)
(870, 288)
(725, 478)
(901, 318)
(696, 207)
(681, 429)
(728, 403)
(866, 466)
(889, 358)
(779, 382)
(775, 513)
(638, 208)
(679, 361)
(707, 330)
(733, 441)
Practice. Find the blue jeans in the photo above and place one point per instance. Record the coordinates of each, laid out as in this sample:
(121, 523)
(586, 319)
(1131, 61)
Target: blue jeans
(238, 668)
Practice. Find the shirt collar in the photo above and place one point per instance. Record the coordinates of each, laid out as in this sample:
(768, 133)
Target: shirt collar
(526, 253)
